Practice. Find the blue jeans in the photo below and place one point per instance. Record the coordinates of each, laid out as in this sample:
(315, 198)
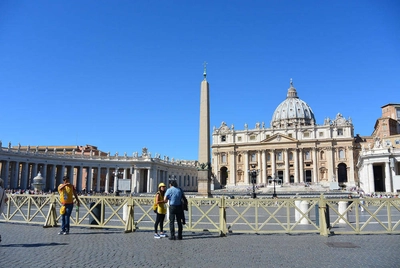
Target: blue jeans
(175, 211)
(65, 218)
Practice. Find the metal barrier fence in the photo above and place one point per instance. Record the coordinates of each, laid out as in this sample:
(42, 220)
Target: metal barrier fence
(221, 215)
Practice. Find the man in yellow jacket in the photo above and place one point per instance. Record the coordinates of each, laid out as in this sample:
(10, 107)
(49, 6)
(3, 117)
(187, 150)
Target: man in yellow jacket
(67, 192)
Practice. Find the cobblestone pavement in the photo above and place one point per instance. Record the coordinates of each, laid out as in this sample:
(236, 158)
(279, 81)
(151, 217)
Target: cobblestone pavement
(32, 245)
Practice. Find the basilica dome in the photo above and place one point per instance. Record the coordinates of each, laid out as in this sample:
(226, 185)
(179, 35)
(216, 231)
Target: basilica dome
(292, 112)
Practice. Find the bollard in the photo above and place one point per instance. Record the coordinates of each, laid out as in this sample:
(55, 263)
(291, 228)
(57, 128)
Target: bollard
(125, 212)
(342, 206)
(304, 206)
(297, 214)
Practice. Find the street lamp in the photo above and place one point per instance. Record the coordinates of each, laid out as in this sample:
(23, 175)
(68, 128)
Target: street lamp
(117, 174)
(253, 174)
(274, 195)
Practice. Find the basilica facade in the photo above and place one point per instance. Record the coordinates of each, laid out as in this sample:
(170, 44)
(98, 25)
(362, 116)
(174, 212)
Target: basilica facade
(293, 150)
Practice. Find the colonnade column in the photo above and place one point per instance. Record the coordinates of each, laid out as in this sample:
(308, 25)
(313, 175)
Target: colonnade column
(5, 173)
(25, 174)
(89, 180)
(106, 186)
(315, 166)
(371, 178)
(52, 177)
(149, 181)
(98, 179)
(388, 178)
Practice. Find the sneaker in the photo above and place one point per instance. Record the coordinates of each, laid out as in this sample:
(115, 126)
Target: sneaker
(62, 233)
(163, 235)
(157, 236)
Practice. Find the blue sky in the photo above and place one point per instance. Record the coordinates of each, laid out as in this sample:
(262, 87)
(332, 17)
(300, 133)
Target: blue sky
(123, 75)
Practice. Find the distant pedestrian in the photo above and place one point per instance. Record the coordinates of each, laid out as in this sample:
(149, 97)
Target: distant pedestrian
(349, 203)
(160, 210)
(174, 195)
(67, 192)
(3, 198)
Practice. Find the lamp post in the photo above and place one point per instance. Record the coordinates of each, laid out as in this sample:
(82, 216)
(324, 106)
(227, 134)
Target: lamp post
(253, 174)
(274, 195)
(116, 176)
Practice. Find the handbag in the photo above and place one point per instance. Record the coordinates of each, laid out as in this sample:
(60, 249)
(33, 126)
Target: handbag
(62, 210)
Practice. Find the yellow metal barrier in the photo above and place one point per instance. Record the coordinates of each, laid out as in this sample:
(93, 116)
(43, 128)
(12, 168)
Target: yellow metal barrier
(220, 215)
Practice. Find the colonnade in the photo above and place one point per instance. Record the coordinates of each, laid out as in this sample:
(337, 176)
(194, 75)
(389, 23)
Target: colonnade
(19, 170)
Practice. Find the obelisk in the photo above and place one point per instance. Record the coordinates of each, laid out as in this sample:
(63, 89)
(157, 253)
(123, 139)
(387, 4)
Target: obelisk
(204, 168)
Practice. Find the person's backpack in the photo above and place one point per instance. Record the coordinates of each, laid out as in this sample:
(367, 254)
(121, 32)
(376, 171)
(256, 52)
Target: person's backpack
(184, 202)
(155, 206)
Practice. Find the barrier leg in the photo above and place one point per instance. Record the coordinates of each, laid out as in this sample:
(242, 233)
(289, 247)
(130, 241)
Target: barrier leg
(51, 219)
(222, 219)
(130, 221)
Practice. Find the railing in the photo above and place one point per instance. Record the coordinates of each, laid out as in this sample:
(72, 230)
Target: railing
(221, 215)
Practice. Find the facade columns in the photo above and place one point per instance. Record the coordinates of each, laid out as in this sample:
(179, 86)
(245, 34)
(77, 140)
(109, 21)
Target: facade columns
(296, 165)
(351, 164)
(301, 165)
(331, 160)
(246, 164)
(273, 158)
(264, 167)
(286, 178)
(259, 163)
(232, 168)
(315, 165)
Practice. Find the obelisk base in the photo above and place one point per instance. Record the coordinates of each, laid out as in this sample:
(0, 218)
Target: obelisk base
(204, 183)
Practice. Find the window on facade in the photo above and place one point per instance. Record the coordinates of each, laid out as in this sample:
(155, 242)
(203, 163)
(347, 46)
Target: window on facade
(268, 157)
(252, 137)
(223, 158)
(398, 113)
(279, 156)
(341, 154)
(321, 134)
(223, 138)
(240, 158)
(290, 156)
(397, 141)
(307, 155)
(253, 157)
(340, 132)
(239, 138)
(306, 134)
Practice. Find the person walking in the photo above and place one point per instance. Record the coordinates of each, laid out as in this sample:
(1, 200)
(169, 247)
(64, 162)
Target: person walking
(174, 195)
(67, 192)
(3, 198)
(160, 210)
